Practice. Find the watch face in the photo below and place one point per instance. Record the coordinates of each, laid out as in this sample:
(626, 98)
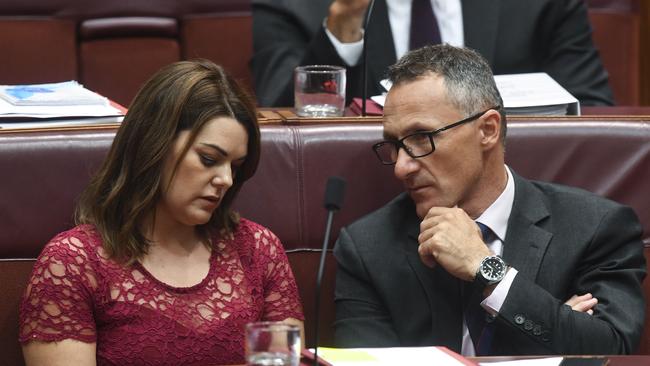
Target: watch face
(493, 269)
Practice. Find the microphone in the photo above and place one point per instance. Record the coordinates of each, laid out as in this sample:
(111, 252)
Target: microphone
(334, 192)
(364, 60)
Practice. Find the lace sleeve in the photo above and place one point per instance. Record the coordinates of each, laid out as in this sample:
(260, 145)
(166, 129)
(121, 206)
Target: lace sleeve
(57, 303)
(281, 298)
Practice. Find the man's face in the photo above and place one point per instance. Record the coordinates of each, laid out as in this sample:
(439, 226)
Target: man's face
(449, 176)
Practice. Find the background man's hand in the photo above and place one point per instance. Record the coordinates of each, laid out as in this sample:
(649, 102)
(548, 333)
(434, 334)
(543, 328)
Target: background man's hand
(346, 19)
(449, 237)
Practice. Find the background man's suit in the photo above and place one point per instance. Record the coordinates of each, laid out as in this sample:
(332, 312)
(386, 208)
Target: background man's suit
(513, 35)
(563, 241)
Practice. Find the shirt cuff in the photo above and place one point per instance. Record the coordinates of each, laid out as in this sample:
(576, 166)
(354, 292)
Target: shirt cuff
(350, 53)
(492, 304)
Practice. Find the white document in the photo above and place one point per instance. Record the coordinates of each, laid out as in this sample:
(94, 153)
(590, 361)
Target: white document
(64, 93)
(535, 93)
(421, 356)
(7, 110)
(54, 100)
(525, 94)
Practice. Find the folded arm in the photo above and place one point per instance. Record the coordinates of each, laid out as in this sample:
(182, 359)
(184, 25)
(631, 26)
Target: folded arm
(612, 271)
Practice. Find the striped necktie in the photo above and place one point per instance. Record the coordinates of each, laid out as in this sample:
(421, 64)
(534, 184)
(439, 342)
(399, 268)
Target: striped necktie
(479, 322)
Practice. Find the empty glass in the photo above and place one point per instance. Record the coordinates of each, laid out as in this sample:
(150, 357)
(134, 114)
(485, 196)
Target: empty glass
(319, 91)
(272, 344)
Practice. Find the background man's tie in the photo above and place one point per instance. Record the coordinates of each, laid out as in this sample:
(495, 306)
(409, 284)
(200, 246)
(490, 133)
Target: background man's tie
(424, 26)
(479, 322)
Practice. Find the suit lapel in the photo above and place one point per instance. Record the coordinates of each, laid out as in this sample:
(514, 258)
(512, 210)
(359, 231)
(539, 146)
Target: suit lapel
(436, 283)
(526, 241)
(411, 250)
(484, 36)
(381, 49)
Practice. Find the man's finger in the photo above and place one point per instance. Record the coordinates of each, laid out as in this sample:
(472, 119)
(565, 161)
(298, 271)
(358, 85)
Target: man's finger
(426, 257)
(575, 299)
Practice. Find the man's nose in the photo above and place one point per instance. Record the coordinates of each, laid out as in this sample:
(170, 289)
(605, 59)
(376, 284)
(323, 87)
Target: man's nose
(405, 165)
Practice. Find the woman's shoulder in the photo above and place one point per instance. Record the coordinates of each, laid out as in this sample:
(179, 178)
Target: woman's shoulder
(252, 230)
(253, 240)
(82, 241)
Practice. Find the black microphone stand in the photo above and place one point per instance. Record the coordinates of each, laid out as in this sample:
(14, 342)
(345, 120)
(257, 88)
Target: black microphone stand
(333, 199)
(319, 278)
(364, 64)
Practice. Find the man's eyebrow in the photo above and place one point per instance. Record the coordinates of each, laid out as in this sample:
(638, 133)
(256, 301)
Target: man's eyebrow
(415, 127)
(419, 127)
(215, 147)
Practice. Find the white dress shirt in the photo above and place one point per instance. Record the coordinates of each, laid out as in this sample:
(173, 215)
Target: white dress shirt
(496, 218)
(450, 23)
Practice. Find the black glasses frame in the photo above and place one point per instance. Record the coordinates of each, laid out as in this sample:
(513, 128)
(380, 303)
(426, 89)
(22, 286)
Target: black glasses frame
(397, 144)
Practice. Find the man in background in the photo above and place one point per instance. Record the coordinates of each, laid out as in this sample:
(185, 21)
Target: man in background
(515, 36)
(472, 256)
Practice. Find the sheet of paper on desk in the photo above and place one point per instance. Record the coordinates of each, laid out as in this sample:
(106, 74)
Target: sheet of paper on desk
(439, 356)
(548, 361)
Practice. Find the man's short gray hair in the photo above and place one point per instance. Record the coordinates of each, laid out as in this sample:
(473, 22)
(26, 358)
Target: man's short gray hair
(466, 74)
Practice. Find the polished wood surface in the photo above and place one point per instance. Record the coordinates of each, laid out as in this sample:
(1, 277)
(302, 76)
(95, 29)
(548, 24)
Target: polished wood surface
(613, 360)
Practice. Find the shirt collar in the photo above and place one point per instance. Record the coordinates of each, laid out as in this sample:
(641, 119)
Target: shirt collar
(496, 216)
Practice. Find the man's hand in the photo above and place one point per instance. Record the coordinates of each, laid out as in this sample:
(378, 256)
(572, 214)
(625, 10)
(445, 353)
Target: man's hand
(583, 303)
(449, 237)
(346, 19)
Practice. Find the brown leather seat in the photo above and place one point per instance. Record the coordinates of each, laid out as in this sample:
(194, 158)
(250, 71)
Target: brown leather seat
(45, 171)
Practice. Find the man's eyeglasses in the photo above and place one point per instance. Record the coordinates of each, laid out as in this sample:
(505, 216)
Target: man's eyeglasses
(417, 144)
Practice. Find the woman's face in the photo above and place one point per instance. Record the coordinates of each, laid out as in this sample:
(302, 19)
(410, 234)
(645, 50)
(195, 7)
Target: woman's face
(204, 174)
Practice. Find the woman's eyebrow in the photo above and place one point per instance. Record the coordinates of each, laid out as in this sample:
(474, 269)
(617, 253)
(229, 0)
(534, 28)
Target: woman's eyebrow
(215, 147)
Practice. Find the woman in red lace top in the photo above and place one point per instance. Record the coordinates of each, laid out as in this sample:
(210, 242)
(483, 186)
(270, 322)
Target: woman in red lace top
(159, 270)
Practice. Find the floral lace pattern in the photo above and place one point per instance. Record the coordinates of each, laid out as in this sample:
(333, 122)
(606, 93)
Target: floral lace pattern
(76, 292)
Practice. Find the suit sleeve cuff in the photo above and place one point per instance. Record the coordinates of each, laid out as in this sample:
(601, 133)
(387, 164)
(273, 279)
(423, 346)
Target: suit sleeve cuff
(493, 303)
(350, 53)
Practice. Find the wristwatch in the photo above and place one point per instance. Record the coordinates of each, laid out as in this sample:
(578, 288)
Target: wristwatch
(491, 270)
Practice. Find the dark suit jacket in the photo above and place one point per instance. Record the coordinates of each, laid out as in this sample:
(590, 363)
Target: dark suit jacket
(515, 36)
(563, 241)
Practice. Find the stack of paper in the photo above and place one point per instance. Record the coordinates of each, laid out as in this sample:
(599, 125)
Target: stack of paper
(68, 93)
(535, 94)
(55, 104)
(525, 94)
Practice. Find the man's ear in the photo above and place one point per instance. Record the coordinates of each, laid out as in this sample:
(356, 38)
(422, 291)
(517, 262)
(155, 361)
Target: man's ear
(490, 128)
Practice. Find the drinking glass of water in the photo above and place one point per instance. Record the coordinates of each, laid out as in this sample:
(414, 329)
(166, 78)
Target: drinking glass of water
(319, 91)
(272, 344)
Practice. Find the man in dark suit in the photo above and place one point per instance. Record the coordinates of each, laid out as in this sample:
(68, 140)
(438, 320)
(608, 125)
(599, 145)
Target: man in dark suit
(515, 36)
(473, 256)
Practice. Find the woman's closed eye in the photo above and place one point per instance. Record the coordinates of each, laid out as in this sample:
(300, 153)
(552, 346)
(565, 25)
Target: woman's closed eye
(207, 161)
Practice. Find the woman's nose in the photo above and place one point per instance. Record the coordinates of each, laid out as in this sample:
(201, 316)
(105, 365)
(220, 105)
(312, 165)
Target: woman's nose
(223, 176)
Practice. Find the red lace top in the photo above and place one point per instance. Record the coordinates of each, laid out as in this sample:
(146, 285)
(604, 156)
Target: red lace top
(76, 292)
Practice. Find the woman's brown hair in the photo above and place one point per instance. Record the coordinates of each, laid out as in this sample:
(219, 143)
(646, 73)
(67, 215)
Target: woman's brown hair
(182, 96)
